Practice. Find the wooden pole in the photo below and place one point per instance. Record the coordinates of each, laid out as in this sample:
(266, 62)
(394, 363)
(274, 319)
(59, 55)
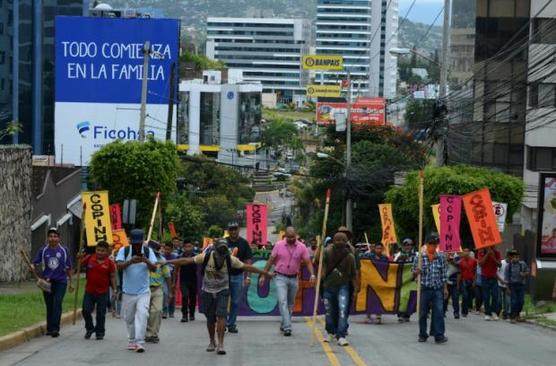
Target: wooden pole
(420, 242)
(319, 271)
(78, 270)
(155, 209)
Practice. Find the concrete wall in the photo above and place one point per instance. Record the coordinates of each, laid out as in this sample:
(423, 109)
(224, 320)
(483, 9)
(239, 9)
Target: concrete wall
(15, 210)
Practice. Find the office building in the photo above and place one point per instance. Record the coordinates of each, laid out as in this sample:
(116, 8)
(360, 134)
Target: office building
(363, 32)
(268, 50)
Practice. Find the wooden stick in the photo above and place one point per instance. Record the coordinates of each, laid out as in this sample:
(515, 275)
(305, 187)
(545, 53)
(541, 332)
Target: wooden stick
(78, 270)
(319, 271)
(367, 241)
(153, 216)
(420, 242)
(29, 264)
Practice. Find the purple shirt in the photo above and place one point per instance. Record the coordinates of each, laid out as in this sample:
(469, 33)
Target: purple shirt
(55, 261)
(289, 257)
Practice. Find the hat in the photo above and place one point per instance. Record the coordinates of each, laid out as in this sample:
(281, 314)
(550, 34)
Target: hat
(345, 230)
(233, 224)
(407, 241)
(513, 252)
(53, 230)
(432, 239)
(221, 242)
(136, 236)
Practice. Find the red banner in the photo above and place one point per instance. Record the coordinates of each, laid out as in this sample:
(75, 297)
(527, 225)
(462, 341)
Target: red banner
(172, 230)
(364, 111)
(256, 223)
(116, 216)
(482, 221)
(450, 218)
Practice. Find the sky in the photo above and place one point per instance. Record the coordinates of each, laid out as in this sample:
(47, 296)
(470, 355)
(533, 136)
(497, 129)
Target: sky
(423, 11)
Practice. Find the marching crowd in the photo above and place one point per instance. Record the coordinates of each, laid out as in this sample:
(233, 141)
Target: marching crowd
(140, 281)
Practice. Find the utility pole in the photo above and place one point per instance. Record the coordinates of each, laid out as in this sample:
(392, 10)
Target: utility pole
(441, 143)
(349, 203)
(171, 102)
(143, 113)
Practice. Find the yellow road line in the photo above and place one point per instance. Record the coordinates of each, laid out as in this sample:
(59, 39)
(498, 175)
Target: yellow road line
(325, 346)
(355, 357)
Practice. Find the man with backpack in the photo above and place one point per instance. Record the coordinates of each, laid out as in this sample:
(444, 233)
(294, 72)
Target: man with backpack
(339, 270)
(101, 274)
(56, 269)
(216, 264)
(136, 260)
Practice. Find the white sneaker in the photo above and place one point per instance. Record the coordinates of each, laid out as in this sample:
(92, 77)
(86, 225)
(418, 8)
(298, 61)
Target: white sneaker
(494, 317)
(329, 338)
(343, 342)
(488, 318)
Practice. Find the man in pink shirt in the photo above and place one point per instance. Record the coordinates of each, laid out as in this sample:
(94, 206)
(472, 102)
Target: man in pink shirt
(287, 256)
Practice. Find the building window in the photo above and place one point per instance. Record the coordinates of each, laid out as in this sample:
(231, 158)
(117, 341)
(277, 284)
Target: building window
(541, 158)
(544, 30)
(542, 95)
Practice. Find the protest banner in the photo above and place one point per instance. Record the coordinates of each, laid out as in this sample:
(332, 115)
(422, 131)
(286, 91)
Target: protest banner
(206, 242)
(116, 216)
(500, 211)
(256, 217)
(482, 221)
(97, 217)
(450, 218)
(388, 228)
(436, 216)
(172, 230)
(119, 238)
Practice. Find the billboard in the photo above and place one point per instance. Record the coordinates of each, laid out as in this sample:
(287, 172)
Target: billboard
(546, 237)
(313, 90)
(98, 77)
(323, 62)
(364, 111)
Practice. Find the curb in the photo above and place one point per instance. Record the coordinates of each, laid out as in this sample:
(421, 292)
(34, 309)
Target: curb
(539, 324)
(36, 330)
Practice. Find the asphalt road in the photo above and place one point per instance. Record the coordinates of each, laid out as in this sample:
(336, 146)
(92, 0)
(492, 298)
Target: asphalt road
(472, 341)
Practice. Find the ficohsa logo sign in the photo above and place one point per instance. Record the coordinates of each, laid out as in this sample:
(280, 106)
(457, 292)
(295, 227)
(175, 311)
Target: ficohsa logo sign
(106, 133)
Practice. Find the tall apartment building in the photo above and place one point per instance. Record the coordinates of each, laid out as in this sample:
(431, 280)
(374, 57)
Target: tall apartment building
(267, 50)
(363, 32)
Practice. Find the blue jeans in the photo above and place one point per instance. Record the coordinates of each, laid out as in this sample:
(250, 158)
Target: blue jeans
(453, 293)
(490, 295)
(89, 302)
(236, 290)
(504, 300)
(432, 298)
(517, 298)
(336, 301)
(286, 289)
(53, 301)
(467, 296)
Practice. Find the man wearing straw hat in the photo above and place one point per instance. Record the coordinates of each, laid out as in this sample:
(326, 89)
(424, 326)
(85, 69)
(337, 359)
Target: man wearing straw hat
(56, 269)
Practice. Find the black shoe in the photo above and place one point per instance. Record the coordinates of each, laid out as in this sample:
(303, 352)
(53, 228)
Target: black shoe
(100, 337)
(400, 320)
(233, 330)
(155, 340)
(149, 340)
(88, 334)
(422, 339)
(48, 333)
(287, 333)
(184, 319)
(192, 317)
(55, 334)
(441, 340)
(456, 316)
(164, 316)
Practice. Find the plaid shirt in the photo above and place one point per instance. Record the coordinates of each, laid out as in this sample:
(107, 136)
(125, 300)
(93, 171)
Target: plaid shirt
(433, 274)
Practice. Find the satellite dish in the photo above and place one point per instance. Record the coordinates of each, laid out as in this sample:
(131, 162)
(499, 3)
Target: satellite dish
(103, 7)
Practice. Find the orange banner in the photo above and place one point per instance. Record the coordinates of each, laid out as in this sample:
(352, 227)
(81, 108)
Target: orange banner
(388, 229)
(172, 230)
(120, 239)
(482, 220)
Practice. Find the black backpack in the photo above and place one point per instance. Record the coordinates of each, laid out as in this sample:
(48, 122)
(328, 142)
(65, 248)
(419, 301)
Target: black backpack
(128, 249)
(208, 254)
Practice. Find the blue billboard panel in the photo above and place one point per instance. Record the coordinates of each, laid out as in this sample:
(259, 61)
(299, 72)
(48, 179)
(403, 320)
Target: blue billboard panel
(100, 60)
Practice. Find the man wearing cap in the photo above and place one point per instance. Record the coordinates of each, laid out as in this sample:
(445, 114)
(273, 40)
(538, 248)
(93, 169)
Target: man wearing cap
(241, 250)
(56, 269)
(288, 255)
(434, 289)
(136, 261)
(215, 292)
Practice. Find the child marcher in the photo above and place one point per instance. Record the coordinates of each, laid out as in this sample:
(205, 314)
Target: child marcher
(516, 275)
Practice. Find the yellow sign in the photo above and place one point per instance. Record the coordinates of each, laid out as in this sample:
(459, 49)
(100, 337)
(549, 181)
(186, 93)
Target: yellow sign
(436, 215)
(330, 91)
(323, 62)
(97, 217)
(388, 229)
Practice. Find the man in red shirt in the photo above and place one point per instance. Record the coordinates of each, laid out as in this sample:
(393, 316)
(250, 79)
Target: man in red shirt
(468, 269)
(101, 273)
(489, 261)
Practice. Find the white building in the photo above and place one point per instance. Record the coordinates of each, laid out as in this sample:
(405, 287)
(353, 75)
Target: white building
(268, 50)
(540, 130)
(222, 120)
(363, 32)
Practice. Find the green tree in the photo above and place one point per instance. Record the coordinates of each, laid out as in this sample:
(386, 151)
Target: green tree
(188, 219)
(281, 135)
(457, 180)
(202, 62)
(136, 170)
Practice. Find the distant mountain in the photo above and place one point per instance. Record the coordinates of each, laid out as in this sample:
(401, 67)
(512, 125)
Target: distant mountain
(193, 13)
